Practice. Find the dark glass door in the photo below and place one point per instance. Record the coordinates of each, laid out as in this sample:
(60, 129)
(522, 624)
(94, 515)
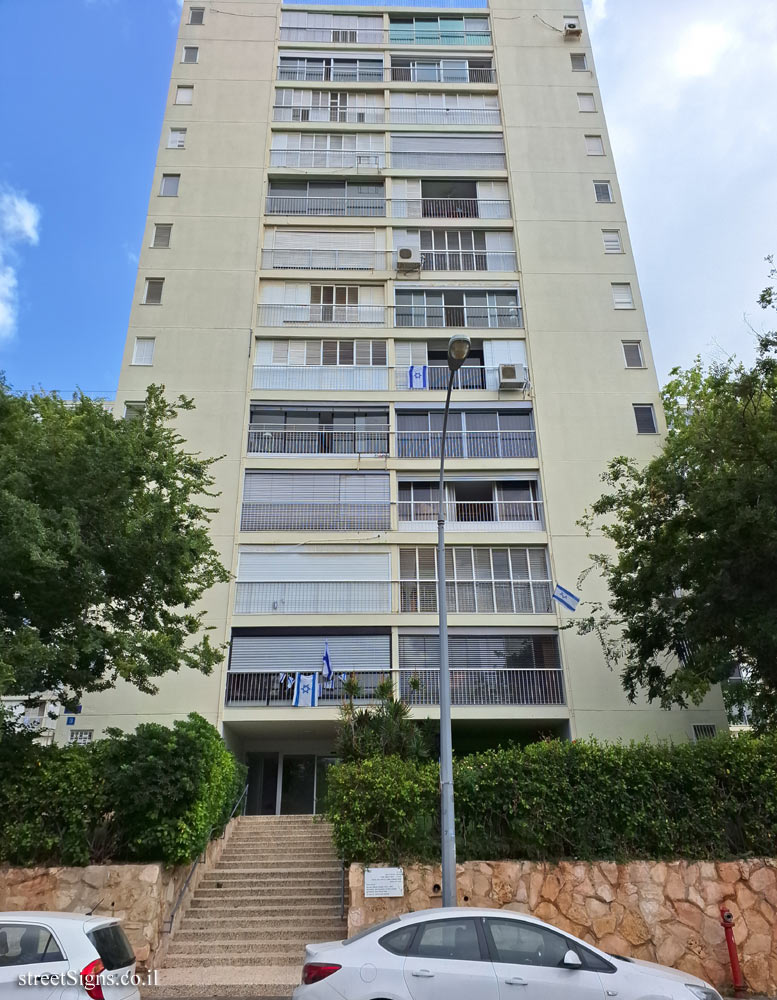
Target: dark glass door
(298, 783)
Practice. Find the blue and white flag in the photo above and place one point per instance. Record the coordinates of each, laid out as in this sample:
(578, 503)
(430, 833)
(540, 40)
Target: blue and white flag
(417, 377)
(327, 664)
(281, 678)
(305, 691)
(566, 597)
(343, 678)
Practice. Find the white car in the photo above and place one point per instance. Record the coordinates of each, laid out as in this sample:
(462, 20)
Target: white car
(64, 956)
(465, 953)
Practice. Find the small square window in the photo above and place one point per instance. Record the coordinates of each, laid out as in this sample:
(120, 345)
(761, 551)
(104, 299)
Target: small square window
(586, 102)
(704, 732)
(184, 95)
(632, 353)
(153, 293)
(133, 411)
(579, 61)
(196, 15)
(143, 352)
(191, 54)
(594, 145)
(169, 185)
(622, 297)
(162, 233)
(612, 241)
(603, 191)
(645, 416)
(176, 138)
(81, 736)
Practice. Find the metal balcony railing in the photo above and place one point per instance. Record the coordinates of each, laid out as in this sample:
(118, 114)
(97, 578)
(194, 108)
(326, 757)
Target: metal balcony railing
(469, 686)
(441, 74)
(377, 36)
(404, 316)
(378, 515)
(444, 116)
(392, 74)
(334, 158)
(311, 597)
(398, 208)
(379, 260)
(324, 439)
(370, 378)
(349, 116)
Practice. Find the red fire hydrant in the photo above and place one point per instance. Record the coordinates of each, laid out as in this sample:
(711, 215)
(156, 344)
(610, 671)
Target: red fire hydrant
(727, 920)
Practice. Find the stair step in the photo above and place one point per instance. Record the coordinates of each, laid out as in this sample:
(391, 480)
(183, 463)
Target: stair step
(289, 947)
(239, 932)
(252, 907)
(329, 871)
(260, 895)
(238, 958)
(272, 886)
(257, 924)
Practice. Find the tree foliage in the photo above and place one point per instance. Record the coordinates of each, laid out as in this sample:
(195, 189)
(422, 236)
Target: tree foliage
(693, 579)
(383, 729)
(104, 548)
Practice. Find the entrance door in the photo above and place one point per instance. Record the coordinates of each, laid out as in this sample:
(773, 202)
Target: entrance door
(262, 798)
(281, 784)
(298, 785)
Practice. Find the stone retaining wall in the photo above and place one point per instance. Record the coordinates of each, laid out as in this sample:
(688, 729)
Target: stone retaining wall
(141, 896)
(661, 912)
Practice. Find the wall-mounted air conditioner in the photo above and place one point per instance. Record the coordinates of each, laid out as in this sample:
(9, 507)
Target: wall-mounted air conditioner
(513, 377)
(408, 259)
(572, 28)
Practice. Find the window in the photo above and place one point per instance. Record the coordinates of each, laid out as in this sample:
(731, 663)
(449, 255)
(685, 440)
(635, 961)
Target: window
(27, 944)
(196, 15)
(184, 94)
(622, 297)
(143, 353)
(177, 138)
(169, 186)
(191, 54)
(603, 191)
(131, 412)
(162, 233)
(645, 416)
(448, 940)
(586, 102)
(112, 946)
(518, 943)
(612, 240)
(397, 942)
(153, 293)
(579, 61)
(703, 732)
(81, 736)
(594, 145)
(632, 353)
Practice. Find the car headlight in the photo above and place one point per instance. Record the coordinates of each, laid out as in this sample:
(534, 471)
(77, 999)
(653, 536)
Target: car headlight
(703, 992)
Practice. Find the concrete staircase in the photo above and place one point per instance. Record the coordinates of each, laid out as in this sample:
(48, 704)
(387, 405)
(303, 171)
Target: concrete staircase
(276, 888)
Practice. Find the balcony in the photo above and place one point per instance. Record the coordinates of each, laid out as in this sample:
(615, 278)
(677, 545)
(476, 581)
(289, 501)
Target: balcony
(394, 116)
(393, 74)
(404, 316)
(383, 260)
(346, 378)
(378, 36)
(537, 686)
(431, 160)
(398, 208)
(336, 159)
(285, 205)
(472, 515)
(346, 116)
(272, 439)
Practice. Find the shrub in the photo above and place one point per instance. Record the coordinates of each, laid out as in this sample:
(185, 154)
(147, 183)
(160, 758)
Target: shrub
(567, 800)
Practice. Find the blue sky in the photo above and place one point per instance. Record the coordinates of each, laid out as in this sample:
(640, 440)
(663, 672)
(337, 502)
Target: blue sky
(687, 87)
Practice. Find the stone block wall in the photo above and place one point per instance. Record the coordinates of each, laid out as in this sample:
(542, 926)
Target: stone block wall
(666, 912)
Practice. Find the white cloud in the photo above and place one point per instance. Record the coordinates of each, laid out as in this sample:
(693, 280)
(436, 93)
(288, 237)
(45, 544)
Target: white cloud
(595, 13)
(19, 224)
(701, 48)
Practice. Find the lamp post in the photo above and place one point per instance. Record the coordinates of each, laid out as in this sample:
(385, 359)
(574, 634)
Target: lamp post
(458, 349)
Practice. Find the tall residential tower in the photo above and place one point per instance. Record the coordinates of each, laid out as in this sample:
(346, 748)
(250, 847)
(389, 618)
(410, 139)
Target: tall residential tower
(338, 189)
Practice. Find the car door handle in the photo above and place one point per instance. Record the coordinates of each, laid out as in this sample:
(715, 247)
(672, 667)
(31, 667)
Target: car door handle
(422, 974)
(611, 993)
(516, 981)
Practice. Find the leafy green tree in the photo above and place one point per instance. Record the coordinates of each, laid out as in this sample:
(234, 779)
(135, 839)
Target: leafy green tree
(104, 547)
(382, 729)
(693, 579)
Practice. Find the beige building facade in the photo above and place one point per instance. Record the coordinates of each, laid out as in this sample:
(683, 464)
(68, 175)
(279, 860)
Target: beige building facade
(339, 189)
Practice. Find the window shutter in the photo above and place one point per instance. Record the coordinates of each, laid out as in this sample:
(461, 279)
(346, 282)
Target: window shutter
(177, 138)
(410, 142)
(197, 15)
(410, 352)
(622, 297)
(184, 95)
(153, 296)
(290, 653)
(279, 564)
(304, 487)
(645, 416)
(594, 145)
(612, 241)
(143, 353)
(603, 191)
(586, 102)
(162, 233)
(632, 353)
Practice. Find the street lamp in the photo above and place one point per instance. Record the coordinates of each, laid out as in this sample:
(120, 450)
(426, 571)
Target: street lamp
(458, 349)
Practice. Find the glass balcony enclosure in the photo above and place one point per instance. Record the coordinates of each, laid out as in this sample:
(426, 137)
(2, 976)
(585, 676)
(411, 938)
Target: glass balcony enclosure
(439, 30)
(309, 431)
(472, 504)
(470, 434)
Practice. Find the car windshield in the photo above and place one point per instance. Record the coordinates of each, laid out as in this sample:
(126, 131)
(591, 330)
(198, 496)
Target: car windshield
(371, 930)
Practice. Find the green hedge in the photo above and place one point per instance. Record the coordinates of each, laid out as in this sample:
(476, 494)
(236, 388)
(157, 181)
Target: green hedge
(153, 795)
(566, 800)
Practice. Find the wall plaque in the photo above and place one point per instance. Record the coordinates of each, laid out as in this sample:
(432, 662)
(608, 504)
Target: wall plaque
(383, 882)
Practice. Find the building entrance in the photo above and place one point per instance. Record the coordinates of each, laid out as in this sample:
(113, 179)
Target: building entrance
(286, 784)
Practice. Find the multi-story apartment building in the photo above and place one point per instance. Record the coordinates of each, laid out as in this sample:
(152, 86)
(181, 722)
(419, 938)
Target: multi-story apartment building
(338, 189)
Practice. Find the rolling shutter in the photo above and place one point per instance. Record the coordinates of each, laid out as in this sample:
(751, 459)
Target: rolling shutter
(290, 653)
(309, 487)
(313, 563)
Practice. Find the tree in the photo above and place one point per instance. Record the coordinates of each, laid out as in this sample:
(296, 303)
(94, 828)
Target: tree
(380, 730)
(104, 547)
(693, 581)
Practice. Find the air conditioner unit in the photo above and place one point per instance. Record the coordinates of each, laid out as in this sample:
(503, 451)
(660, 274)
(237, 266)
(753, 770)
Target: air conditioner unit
(408, 259)
(572, 29)
(513, 377)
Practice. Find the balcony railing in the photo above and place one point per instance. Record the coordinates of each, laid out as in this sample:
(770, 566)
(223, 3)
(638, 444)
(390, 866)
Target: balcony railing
(392, 74)
(404, 316)
(309, 597)
(395, 116)
(272, 439)
(350, 116)
(399, 208)
(335, 158)
(365, 515)
(469, 687)
(347, 378)
(377, 36)
(380, 260)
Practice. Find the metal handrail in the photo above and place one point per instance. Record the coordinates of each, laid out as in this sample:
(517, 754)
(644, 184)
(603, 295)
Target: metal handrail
(397, 208)
(301, 258)
(381, 115)
(167, 926)
(392, 74)
(401, 316)
(371, 377)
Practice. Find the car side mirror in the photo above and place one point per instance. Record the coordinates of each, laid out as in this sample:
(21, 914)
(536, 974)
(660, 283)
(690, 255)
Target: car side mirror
(572, 960)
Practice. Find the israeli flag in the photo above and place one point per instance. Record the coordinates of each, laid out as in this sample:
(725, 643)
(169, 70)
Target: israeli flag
(343, 678)
(417, 377)
(305, 691)
(327, 664)
(566, 597)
